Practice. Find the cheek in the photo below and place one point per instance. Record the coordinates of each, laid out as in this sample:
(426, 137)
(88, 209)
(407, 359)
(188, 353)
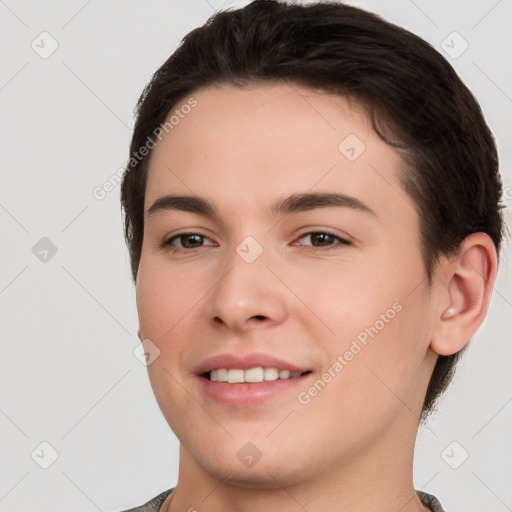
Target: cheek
(347, 297)
(169, 304)
(373, 369)
(372, 313)
(165, 297)
(165, 305)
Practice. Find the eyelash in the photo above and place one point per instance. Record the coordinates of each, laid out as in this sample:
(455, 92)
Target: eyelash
(343, 242)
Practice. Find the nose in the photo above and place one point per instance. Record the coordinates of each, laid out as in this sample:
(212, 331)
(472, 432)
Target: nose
(248, 296)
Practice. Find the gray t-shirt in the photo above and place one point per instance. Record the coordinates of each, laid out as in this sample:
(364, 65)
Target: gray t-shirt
(154, 505)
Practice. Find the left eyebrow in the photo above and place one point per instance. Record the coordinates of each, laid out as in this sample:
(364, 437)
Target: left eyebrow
(309, 201)
(294, 203)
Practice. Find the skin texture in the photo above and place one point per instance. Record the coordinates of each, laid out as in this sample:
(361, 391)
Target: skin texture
(351, 446)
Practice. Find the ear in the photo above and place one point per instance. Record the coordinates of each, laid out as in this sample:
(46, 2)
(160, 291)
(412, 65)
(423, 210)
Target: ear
(467, 282)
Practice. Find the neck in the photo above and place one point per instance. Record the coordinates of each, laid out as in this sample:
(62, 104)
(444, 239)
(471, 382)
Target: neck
(376, 478)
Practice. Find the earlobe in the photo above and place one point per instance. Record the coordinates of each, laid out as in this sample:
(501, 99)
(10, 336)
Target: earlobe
(448, 313)
(469, 279)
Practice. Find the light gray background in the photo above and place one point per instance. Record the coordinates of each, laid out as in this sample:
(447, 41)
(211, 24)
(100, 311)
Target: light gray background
(68, 326)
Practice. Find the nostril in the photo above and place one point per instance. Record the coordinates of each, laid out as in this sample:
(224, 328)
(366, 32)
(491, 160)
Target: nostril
(259, 317)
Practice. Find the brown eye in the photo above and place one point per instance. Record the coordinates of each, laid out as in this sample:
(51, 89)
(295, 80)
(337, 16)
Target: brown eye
(186, 241)
(321, 239)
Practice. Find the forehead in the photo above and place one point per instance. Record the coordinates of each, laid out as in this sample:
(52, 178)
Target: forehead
(243, 147)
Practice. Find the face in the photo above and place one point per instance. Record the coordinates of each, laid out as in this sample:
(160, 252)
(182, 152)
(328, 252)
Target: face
(301, 253)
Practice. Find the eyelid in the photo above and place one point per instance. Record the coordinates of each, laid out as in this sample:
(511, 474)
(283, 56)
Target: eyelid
(168, 240)
(342, 241)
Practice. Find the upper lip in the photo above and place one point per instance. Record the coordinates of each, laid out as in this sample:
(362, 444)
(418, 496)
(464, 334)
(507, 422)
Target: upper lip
(244, 362)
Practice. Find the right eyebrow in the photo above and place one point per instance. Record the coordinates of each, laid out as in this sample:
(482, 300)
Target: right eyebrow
(192, 204)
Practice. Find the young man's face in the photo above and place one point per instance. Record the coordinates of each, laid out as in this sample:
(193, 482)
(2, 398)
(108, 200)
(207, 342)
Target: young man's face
(338, 291)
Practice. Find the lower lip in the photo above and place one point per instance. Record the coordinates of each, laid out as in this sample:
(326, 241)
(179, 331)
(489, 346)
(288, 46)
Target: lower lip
(249, 394)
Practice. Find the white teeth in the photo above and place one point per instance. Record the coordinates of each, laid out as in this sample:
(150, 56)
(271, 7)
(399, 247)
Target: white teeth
(254, 375)
(222, 375)
(235, 376)
(257, 374)
(271, 374)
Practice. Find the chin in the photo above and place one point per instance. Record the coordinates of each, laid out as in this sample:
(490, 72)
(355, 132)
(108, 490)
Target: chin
(268, 472)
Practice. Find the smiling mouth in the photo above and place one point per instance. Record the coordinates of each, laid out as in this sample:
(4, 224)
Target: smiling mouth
(251, 375)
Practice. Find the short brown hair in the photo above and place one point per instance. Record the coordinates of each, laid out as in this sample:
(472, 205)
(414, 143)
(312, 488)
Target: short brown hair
(415, 100)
